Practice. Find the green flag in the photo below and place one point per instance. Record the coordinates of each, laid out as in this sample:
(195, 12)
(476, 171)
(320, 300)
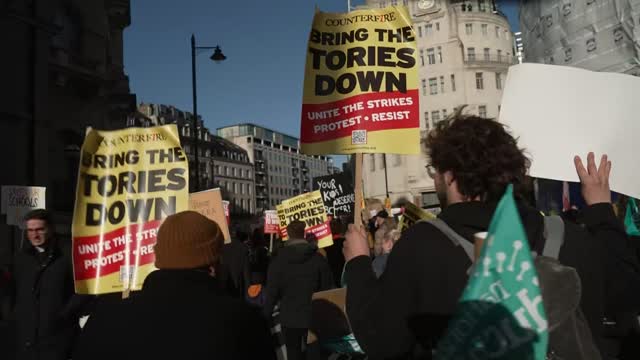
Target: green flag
(500, 315)
(630, 218)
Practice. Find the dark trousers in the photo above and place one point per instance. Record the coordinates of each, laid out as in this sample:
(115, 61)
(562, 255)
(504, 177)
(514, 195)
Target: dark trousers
(295, 340)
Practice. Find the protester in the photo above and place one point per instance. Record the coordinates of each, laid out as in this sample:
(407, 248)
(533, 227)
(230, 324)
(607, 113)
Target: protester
(46, 309)
(236, 266)
(472, 162)
(376, 221)
(334, 252)
(389, 235)
(182, 311)
(294, 275)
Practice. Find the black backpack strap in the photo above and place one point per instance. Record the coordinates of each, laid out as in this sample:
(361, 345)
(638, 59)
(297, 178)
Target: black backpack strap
(456, 238)
(553, 235)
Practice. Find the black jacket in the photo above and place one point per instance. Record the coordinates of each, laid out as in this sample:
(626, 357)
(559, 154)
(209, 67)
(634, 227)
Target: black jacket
(426, 275)
(235, 268)
(294, 275)
(179, 314)
(46, 309)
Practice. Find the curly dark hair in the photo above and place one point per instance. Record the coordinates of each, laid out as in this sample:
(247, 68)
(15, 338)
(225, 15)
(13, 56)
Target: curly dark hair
(482, 156)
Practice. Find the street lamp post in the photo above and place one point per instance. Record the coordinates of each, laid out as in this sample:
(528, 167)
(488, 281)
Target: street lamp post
(216, 57)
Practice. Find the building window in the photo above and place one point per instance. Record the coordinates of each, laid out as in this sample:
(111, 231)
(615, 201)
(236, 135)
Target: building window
(482, 5)
(249, 174)
(422, 57)
(426, 120)
(453, 82)
(419, 31)
(568, 55)
(497, 32)
(444, 114)
(442, 84)
(394, 2)
(235, 172)
(618, 34)
(499, 55)
(428, 29)
(433, 86)
(485, 29)
(437, 26)
(468, 28)
(479, 81)
(498, 81)
(226, 171)
(482, 111)
(435, 117)
(440, 54)
(431, 56)
(235, 188)
(591, 45)
(424, 87)
(471, 54)
(487, 56)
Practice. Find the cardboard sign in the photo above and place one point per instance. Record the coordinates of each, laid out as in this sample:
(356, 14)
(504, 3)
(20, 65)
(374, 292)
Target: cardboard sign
(209, 203)
(361, 84)
(583, 111)
(129, 181)
(17, 201)
(337, 194)
(308, 208)
(225, 205)
(271, 222)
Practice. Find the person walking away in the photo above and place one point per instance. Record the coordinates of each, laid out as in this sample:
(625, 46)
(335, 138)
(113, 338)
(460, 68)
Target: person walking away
(294, 275)
(235, 265)
(46, 310)
(182, 311)
(472, 160)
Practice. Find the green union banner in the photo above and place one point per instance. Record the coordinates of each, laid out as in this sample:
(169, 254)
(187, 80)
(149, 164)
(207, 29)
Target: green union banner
(500, 315)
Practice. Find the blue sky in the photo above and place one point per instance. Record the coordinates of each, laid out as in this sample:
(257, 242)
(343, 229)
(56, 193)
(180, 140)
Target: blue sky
(264, 41)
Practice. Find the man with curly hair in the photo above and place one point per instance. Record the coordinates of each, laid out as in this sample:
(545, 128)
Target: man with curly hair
(472, 160)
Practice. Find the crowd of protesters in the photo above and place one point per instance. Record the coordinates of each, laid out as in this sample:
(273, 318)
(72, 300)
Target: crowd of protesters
(211, 300)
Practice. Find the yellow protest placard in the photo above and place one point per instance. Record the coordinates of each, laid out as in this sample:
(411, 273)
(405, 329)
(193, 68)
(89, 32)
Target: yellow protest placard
(308, 208)
(129, 181)
(209, 203)
(361, 84)
(412, 214)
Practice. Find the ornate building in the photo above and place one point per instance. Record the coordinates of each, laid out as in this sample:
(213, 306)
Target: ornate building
(464, 51)
(62, 70)
(222, 163)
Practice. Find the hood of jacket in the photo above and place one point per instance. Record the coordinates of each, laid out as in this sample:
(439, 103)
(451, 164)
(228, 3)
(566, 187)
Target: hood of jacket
(297, 251)
(468, 218)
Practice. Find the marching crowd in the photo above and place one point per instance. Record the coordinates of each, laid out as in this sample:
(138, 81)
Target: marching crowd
(214, 300)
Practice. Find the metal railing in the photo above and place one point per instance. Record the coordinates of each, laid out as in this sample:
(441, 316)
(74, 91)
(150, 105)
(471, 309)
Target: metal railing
(488, 59)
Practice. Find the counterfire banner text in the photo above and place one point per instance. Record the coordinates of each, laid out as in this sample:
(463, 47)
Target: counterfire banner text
(361, 84)
(128, 182)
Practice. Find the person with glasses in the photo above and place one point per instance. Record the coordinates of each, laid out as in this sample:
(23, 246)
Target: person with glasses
(46, 310)
(472, 160)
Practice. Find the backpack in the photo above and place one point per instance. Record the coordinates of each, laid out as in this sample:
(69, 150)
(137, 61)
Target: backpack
(569, 334)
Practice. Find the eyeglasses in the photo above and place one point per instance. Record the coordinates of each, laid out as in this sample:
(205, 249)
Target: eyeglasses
(431, 171)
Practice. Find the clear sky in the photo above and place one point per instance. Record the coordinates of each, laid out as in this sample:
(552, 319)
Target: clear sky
(264, 41)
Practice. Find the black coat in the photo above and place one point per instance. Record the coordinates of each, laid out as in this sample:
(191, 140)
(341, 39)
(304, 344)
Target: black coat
(235, 268)
(178, 314)
(294, 275)
(426, 275)
(46, 320)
